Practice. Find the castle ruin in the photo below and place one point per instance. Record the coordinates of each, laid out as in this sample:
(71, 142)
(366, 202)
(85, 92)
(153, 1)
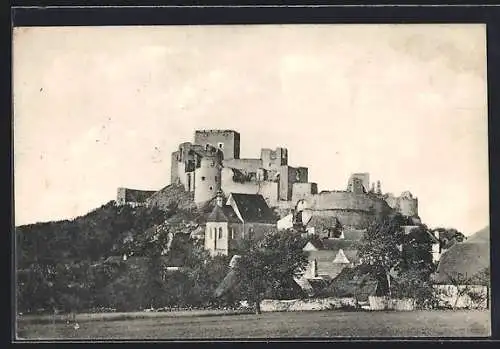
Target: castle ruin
(212, 162)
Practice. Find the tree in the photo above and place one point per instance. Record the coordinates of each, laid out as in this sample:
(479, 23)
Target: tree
(269, 264)
(381, 248)
(405, 257)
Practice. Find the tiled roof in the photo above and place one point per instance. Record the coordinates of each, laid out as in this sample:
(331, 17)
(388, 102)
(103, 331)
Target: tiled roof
(253, 208)
(350, 283)
(223, 214)
(334, 244)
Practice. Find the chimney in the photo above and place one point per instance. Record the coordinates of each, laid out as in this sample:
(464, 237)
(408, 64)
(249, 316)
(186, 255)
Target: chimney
(220, 199)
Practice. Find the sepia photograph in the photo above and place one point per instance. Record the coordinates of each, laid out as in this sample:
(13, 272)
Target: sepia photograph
(235, 182)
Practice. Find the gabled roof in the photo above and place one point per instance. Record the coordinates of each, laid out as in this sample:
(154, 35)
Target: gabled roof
(322, 223)
(223, 214)
(341, 258)
(253, 208)
(333, 244)
(351, 283)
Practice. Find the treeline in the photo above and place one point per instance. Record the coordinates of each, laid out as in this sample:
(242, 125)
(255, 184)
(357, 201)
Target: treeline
(78, 265)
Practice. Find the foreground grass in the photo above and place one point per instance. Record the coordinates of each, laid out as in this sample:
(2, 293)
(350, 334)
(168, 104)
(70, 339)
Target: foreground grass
(274, 325)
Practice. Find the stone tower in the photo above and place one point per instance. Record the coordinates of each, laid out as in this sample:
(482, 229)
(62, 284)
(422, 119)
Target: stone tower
(207, 179)
(228, 141)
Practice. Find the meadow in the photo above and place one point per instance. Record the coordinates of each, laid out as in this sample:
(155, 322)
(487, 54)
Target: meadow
(314, 324)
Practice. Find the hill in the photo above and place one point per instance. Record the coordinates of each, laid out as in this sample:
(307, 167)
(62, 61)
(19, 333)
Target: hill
(88, 237)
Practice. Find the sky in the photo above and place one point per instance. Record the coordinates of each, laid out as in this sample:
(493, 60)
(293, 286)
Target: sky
(97, 108)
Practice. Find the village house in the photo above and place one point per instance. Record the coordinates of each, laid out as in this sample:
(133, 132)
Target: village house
(329, 256)
(242, 216)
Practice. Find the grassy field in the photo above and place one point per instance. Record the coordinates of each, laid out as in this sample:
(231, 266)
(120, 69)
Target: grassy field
(272, 325)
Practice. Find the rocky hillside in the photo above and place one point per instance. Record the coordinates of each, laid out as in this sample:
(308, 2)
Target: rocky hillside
(173, 195)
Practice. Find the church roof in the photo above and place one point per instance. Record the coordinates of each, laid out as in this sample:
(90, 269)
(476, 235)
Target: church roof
(223, 214)
(253, 208)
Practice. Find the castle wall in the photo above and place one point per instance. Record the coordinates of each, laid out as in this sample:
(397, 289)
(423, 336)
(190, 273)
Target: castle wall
(408, 206)
(347, 201)
(288, 176)
(273, 159)
(363, 177)
(392, 201)
(126, 195)
(226, 140)
(269, 190)
(303, 190)
(174, 168)
(348, 218)
(251, 165)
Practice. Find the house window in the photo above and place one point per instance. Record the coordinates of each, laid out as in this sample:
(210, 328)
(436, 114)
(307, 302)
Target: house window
(232, 233)
(215, 232)
(220, 233)
(210, 187)
(202, 178)
(220, 145)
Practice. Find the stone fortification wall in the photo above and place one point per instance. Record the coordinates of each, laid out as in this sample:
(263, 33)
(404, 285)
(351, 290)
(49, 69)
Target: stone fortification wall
(273, 159)
(408, 206)
(356, 219)
(226, 140)
(126, 195)
(251, 165)
(269, 190)
(303, 190)
(343, 200)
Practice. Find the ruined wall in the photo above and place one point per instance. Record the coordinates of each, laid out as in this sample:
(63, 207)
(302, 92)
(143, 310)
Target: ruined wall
(303, 190)
(273, 159)
(363, 177)
(174, 168)
(348, 200)
(392, 201)
(356, 219)
(126, 195)
(226, 140)
(405, 204)
(251, 165)
(269, 190)
(289, 175)
(408, 206)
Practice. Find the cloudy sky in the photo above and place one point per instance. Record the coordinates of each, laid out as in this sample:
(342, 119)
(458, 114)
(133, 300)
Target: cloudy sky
(98, 108)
